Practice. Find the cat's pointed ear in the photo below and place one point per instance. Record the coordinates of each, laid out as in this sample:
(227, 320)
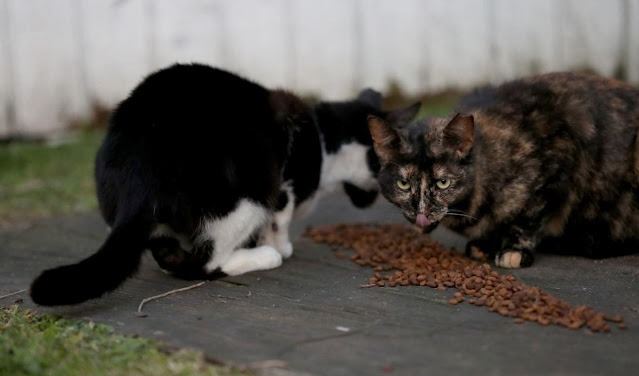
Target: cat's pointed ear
(386, 139)
(458, 134)
(370, 97)
(403, 116)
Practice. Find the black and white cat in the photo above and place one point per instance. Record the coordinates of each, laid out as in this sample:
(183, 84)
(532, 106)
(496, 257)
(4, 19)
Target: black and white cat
(206, 169)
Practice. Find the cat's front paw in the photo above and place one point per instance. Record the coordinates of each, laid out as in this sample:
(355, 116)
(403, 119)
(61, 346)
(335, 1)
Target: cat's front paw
(513, 259)
(285, 249)
(243, 261)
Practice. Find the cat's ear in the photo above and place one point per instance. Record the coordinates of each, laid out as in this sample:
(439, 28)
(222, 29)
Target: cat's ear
(458, 134)
(386, 140)
(371, 98)
(403, 116)
(289, 109)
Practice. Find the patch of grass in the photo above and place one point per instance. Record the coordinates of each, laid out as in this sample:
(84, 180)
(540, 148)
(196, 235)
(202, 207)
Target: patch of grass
(432, 104)
(437, 106)
(33, 344)
(37, 180)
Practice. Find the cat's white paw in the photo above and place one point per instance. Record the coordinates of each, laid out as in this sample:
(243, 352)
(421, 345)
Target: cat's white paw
(510, 260)
(247, 260)
(286, 250)
(268, 257)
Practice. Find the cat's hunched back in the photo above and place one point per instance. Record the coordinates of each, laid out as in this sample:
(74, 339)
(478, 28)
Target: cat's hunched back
(203, 132)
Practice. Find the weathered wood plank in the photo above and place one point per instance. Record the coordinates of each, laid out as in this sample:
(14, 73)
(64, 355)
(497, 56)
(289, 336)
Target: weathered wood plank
(311, 313)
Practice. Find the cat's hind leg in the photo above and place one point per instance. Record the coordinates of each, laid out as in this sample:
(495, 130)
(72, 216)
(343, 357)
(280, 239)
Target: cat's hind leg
(228, 233)
(275, 233)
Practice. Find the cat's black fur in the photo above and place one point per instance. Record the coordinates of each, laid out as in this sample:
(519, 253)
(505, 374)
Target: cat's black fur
(193, 147)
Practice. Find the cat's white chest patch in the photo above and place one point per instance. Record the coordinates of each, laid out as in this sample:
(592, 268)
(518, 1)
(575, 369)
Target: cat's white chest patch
(348, 164)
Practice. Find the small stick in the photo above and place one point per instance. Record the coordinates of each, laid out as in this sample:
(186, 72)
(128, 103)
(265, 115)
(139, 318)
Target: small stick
(13, 293)
(146, 300)
(368, 285)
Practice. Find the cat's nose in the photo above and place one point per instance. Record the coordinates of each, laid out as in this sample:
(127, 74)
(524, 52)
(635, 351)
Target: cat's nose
(422, 221)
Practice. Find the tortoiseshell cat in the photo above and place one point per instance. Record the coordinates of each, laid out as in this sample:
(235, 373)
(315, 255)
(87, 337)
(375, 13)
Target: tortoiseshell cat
(548, 162)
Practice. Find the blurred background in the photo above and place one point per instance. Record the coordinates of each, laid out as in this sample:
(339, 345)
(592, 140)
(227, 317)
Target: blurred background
(61, 60)
(65, 64)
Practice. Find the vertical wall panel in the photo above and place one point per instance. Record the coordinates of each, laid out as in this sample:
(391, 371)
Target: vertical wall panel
(117, 48)
(523, 38)
(325, 47)
(188, 32)
(6, 73)
(58, 58)
(258, 46)
(633, 42)
(591, 35)
(47, 89)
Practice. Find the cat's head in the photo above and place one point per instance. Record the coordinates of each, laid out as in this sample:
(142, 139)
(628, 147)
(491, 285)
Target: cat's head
(426, 167)
(344, 128)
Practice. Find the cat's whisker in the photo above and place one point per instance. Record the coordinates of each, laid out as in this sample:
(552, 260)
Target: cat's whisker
(461, 215)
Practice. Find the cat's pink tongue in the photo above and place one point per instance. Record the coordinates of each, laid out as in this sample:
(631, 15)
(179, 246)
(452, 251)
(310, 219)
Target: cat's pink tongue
(422, 221)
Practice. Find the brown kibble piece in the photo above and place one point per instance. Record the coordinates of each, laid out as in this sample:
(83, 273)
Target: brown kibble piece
(402, 256)
(615, 318)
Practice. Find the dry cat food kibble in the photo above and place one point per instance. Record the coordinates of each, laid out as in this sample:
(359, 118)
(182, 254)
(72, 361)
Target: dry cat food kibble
(401, 256)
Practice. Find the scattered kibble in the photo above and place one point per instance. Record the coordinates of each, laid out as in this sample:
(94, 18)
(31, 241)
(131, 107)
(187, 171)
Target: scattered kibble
(402, 256)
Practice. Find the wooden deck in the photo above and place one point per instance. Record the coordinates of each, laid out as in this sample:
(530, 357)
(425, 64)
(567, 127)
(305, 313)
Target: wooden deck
(311, 314)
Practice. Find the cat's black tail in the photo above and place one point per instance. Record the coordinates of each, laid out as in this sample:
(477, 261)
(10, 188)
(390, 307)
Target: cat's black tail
(116, 260)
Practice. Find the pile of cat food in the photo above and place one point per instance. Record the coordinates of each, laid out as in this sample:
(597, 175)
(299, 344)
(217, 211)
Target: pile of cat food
(402, 256)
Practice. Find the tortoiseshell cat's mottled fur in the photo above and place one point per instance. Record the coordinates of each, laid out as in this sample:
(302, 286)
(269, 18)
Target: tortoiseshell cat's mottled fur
(549, 162)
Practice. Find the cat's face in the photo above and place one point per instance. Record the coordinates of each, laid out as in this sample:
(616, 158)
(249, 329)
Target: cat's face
(348, 142)
(426, 167)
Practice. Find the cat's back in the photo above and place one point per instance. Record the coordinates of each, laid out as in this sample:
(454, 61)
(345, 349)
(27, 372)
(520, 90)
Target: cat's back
(560, 98)
(570, 110)
(192, 97)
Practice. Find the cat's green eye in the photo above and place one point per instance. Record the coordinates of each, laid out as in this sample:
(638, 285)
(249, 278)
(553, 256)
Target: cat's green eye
(443, 183)
(403, 185)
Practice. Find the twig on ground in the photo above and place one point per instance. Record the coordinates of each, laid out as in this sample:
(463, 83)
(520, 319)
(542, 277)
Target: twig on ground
(13, 293)
(146, 300)
(368, 285)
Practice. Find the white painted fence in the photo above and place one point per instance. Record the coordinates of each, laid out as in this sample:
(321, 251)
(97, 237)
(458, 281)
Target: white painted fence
(57, 57)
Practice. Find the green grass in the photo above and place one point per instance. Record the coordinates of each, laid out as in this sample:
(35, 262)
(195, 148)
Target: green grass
(32, 344)
(437, 106)
(38, 180)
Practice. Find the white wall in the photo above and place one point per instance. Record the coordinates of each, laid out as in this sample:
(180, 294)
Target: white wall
(59, 57)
